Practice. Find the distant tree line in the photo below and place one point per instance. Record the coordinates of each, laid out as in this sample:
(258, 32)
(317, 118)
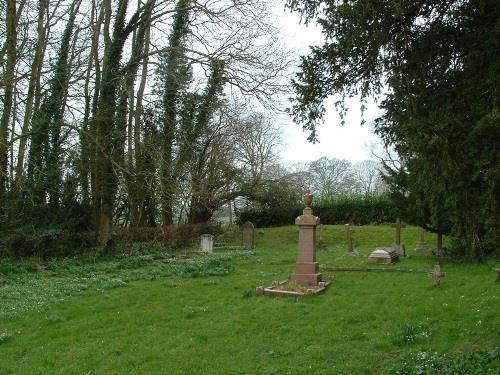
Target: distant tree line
(344, 192)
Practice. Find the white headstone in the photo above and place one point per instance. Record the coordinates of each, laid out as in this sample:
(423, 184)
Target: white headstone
(206, 243)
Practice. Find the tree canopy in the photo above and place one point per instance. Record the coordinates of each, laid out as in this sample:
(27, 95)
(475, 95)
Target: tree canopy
(438, 65)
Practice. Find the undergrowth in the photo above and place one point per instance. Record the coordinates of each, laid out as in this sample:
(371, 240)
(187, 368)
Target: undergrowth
(32, 285)
(478, 362)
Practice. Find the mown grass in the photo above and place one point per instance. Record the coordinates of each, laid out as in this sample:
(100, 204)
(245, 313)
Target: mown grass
(147, 313)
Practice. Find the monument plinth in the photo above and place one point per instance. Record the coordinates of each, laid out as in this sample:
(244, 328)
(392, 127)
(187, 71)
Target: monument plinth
(306, 268)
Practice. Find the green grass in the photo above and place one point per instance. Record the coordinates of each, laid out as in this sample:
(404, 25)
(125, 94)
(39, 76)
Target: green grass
(147, 313)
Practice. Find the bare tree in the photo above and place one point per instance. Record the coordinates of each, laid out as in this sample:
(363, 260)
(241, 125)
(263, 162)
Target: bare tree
(257, 148)
(330, 176)
(368, 177)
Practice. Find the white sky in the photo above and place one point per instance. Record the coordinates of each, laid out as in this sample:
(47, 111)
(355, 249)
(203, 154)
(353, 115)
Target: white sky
(349, 142)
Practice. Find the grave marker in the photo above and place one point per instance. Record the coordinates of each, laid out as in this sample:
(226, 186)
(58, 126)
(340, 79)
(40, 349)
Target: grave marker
(422, 245)
(385, 255)
(206, 243)
(306, 268)
(436, 275)
(248, 232)
(400, 249)
(350, 249)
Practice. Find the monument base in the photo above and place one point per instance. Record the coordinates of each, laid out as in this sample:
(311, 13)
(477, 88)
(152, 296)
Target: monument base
(306, 279)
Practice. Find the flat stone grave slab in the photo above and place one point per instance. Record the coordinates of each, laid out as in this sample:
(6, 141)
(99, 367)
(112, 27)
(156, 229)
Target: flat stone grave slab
(383, 255)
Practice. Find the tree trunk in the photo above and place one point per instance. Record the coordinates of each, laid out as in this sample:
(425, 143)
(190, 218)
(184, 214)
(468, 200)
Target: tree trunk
(139, 190)
(94, 144)
(8, 78)
(36, 67)
(108, 139)
(172, 85)
(58, 97)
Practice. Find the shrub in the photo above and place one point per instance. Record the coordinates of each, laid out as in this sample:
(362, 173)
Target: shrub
(57, 243)
(43, 243)
(269, 217)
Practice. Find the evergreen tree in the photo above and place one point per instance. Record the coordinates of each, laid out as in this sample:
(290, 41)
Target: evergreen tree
(441, 63)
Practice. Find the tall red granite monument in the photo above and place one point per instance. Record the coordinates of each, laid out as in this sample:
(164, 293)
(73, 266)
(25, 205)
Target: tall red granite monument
(306, 268)
(306, 280)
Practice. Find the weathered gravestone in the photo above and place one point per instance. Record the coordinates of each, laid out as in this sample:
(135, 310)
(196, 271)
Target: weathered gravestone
(397, 246)
(435, 274)
(350, 249)
(248, 233)
(422, 245)
(206, 243)
(385, 255)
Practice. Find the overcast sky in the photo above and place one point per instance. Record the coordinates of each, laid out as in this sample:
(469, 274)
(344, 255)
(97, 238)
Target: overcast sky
(349, 142)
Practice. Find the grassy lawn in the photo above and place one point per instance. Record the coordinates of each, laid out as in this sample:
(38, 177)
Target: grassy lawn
(146, 313)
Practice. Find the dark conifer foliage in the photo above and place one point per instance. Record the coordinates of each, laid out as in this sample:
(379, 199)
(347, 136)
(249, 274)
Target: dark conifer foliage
(439, 62)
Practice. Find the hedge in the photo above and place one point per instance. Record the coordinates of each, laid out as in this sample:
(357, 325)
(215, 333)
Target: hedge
(331, 210)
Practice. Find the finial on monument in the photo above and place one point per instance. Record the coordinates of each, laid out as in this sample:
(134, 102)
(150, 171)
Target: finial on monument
(308, 198)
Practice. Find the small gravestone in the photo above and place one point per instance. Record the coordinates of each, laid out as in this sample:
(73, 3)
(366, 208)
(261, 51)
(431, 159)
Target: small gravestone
(384, 255)
(397, 246)
(422, 245)
(350, 249)
(248, 232)
(435, 274)
(206, 243)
